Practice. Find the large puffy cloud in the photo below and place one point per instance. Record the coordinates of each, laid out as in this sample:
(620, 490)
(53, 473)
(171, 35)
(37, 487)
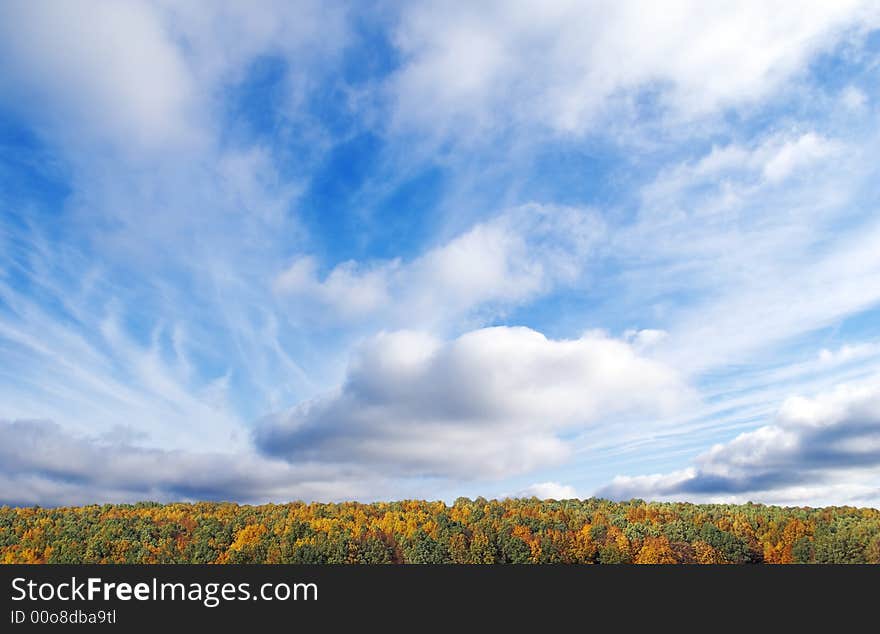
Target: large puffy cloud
(494, 402)
(480, 59)
(821, 449)
(512, 258)
(41, 463)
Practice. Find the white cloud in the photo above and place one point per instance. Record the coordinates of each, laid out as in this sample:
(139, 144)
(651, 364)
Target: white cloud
(103, 69)
(96, 381)
(765, 240)
(221, 38)
(149, 308)
(347, 292)
(758, 242)
(766, 308)
(737, 171)
(515, 257)
(847, 353)
(824, 449)
(803, 151)
(853, 98)
(142, 76)
(564, 64)
(493, 402)
(549, 491)
(646, 338)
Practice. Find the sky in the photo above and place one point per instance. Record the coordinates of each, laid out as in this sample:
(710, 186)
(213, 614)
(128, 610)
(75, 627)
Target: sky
(276, 251)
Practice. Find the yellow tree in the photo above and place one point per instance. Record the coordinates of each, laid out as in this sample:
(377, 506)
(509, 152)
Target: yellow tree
(705, 554)
(656, 550)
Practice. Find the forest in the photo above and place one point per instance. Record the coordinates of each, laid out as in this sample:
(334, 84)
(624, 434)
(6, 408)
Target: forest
(592, 531)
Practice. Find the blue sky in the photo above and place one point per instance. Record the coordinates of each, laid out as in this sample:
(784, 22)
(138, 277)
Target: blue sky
(332, 251)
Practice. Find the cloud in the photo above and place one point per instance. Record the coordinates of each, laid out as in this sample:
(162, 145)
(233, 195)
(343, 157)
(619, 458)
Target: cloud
(142, 76)
(513, 258)
(104, 69)
(805, 150)
(491, 403)
(220, 39)
(155, 268)
(77, 360)
(719, 239)
(549, 491)
(646, 338)
(853, 98)
(167, 223)
(40, 463)
(848, 353)
(747, 168)
(825, 448)
(477, 65)
(349, 291)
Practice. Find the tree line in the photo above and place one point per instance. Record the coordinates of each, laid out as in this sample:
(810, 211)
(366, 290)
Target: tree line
(592, 531)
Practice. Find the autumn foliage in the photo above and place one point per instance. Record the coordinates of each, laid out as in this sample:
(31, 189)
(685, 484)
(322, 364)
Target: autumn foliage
(468, 532)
